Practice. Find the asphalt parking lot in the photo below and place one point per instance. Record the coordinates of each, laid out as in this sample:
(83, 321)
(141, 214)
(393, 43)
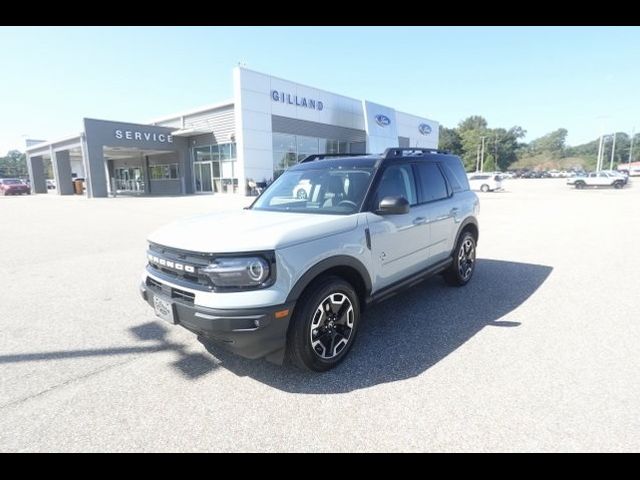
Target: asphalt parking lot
(540, 352)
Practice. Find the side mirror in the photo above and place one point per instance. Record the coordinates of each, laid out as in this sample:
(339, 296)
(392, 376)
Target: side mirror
(393, 206)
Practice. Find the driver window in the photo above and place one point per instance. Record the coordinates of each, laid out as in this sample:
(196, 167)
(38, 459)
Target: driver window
(397, 180)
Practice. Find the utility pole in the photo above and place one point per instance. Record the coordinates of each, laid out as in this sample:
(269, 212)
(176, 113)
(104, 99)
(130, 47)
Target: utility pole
(478, 159)
(613, 151)
(633, 134)
(482, 156)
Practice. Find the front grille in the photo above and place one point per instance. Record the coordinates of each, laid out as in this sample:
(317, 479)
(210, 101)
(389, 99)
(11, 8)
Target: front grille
(166, 260)
(181, 295)
(153, 283)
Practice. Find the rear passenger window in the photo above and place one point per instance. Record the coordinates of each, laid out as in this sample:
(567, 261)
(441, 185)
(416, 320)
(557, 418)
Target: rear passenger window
(456, 175)
(434, 186)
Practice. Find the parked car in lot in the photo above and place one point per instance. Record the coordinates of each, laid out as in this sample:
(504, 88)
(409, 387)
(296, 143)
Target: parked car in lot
(485, 182)
(597, 179)
(290, 277)
(624, 176)
(51, 184)
(13, 186)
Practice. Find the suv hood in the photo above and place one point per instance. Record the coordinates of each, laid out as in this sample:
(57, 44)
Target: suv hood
(249, 230)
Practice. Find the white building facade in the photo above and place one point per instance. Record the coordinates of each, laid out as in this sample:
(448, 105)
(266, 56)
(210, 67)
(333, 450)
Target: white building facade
(229, 147)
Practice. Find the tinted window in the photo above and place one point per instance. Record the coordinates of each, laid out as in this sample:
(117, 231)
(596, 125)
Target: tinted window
(456, 175)
(434, 186)
(397, 181)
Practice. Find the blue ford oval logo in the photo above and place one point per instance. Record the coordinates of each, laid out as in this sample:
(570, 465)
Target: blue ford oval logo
(424, 129)
(382, 120)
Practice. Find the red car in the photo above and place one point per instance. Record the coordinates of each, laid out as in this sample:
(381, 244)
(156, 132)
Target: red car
(13, 186)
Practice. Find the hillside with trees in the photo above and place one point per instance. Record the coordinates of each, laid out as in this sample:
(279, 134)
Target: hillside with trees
(504, 148)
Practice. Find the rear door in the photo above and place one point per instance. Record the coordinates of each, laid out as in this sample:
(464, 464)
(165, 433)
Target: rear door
(436, 198)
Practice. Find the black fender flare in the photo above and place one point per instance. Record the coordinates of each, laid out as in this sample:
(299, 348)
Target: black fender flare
(465, 223)
(327, 264)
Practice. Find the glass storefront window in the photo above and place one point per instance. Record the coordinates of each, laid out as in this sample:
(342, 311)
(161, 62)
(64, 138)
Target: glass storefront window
(201, 154)
(284, 143)
(215, 172)
(290, 149)
(307, 144)
(225, 151)
(164, 172)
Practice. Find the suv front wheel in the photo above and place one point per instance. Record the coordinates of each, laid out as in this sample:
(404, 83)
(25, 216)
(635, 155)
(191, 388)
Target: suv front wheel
(324, 325)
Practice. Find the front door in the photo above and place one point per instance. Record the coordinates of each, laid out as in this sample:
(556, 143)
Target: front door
(129, 180)
(204, 181)
(399, 243)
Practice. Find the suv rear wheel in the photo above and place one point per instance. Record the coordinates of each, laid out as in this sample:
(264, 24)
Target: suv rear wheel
(324, 325)
(484, 188)
(464, 261)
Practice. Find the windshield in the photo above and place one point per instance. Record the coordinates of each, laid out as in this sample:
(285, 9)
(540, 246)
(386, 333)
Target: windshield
(335, 190)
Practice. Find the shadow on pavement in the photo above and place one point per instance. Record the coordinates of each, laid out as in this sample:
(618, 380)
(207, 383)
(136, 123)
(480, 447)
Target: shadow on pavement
(398, 339)
(407, 334)
(190, 365)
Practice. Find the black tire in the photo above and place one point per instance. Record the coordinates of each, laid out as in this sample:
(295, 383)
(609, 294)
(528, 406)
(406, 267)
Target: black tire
(580, 185)
(310, 311)
(484, 188)
(464, 264)
(618, 185)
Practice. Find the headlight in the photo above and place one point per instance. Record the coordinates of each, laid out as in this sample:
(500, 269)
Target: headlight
(238, 272)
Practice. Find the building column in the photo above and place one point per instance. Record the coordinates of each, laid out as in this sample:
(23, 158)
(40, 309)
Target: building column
(36, 174)
(96, 171)
(62, 172)
(186, 169)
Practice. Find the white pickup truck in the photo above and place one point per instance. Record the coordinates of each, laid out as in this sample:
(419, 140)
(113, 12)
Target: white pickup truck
(597, 179)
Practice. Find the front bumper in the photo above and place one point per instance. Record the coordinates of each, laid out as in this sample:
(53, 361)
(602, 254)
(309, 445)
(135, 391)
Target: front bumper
(250, 332)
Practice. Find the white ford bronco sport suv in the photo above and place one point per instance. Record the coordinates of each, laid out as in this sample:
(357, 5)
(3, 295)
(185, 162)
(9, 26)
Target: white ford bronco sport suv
(290, 277)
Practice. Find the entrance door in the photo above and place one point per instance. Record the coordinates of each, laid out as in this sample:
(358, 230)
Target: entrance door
(129, 180)
(204, 182)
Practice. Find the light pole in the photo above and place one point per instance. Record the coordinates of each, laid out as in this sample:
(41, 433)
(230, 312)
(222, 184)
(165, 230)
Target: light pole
(633, 134)
(613, 151)
(482, 156)
(478, 159)
(598, 161)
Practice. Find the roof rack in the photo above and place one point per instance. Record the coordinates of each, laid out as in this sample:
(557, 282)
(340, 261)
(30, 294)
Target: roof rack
(320, 156)
(409, 151)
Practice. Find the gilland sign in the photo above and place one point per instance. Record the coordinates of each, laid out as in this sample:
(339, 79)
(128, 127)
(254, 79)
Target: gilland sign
(304, 102)
(147, 136)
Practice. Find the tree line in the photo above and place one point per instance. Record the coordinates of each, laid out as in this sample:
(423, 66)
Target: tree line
(13, 164)
(504, 148)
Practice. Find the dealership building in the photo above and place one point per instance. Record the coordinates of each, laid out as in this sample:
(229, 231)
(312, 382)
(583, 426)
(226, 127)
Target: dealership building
(227, 147)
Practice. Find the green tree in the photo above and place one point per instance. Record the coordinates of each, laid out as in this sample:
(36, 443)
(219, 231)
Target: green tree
(552, 143)
(14, 164)
(450, 140)
(471, 131)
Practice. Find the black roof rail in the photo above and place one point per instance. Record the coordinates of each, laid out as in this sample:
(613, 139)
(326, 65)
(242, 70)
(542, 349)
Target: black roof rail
(408, 151)
(320, 156)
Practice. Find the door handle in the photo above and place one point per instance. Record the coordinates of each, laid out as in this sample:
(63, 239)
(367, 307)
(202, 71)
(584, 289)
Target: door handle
(419, 221)
(454, 211)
